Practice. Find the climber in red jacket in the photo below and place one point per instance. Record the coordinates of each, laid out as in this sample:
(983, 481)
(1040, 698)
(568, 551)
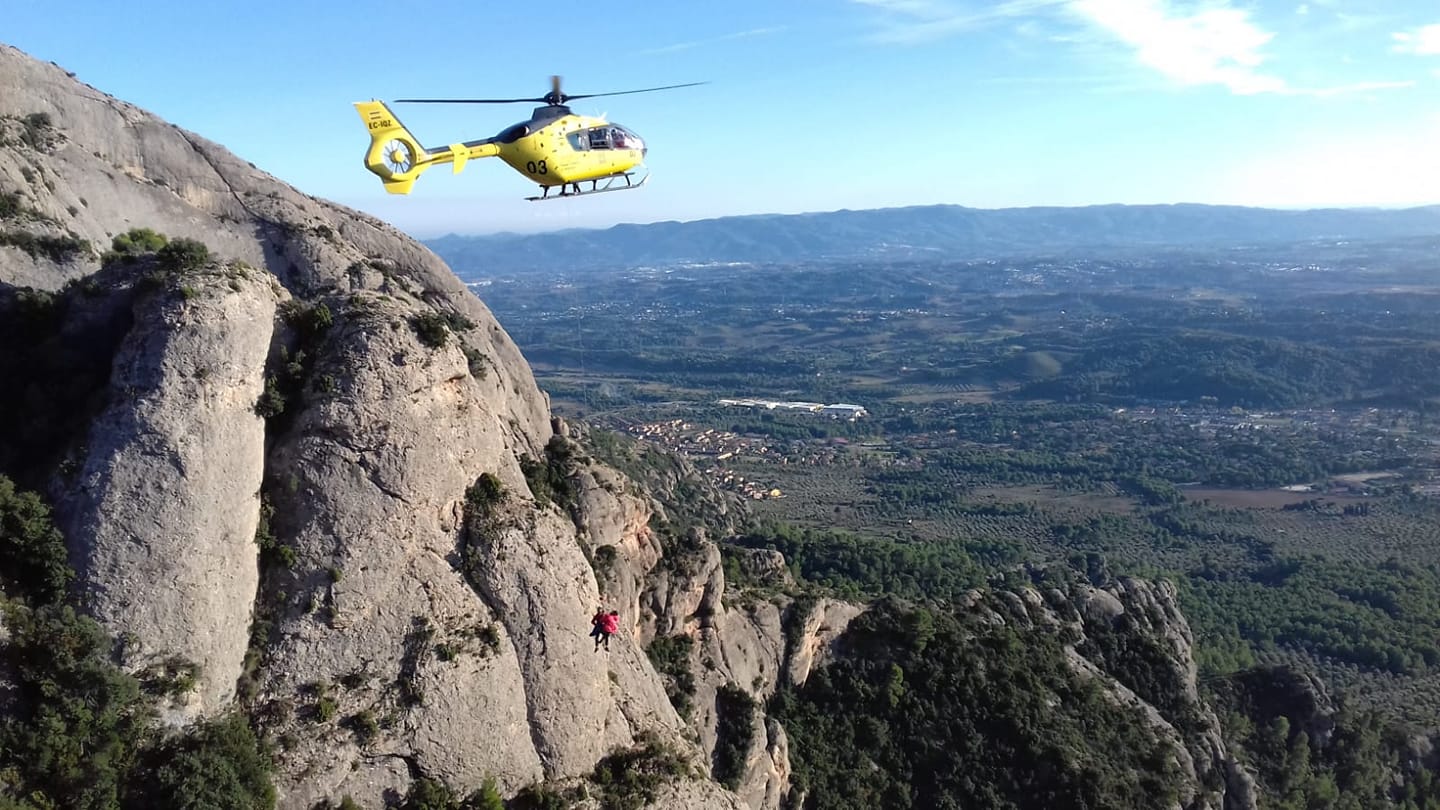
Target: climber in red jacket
(608, 625)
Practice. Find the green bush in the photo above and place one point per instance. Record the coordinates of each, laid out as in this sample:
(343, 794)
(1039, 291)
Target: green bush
(431, 329)
(80, 733)
(604, 560)
(485, 492)
(539, 797)
(32, 551)
(325, 708)
(55, 248)
(734, 717)
(75, 739)
(489, 637)
(549, 480)
(628, 779)
(218, 765)
(365, 726)
(172, 677)
(926, 709)
(429, 794)
(670, 656)
(183, 255)
(536, 478)
(272, 400)
(476, 362)
(10, 205)
(37, 129)
(487, 797)
(459, 322)
(272, 551)
(320, 319)
(137, 241)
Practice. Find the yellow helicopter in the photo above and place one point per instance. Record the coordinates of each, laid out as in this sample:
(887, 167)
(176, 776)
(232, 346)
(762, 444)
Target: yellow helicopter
(556, 148)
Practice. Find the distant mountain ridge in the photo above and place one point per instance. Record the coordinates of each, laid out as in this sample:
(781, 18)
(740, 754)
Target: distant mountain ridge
(949, 231)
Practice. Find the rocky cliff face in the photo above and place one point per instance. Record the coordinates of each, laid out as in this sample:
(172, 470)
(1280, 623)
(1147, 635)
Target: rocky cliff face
(272, 494)
(164, 510)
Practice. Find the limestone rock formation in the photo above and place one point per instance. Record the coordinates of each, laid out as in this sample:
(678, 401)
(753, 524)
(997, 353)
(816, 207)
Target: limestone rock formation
(1145, 613)
(275, 491)
(816, 637)
(694, 796)
(165, 506)
(738, 641)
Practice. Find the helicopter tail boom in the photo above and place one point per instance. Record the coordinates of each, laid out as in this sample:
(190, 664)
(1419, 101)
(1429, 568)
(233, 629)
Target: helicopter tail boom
(397, 157)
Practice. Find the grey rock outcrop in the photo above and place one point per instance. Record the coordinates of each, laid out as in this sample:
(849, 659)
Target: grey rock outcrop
(467, 624)
(1148, 612)
(393, 639)
(165, 505)
(739, 641)
(815, 641)
(694, 796)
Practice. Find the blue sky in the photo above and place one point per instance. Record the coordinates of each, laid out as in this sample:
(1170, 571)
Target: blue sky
(812, 105)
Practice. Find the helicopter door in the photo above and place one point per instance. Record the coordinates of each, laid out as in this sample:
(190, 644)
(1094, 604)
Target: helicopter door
(578, 141)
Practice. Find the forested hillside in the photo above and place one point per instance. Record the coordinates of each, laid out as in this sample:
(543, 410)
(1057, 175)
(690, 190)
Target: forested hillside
(946, 232)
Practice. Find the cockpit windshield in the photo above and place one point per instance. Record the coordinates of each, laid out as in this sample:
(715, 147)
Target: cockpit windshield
(622, 138)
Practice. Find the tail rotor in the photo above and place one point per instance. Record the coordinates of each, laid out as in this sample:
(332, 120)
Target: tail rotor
(399, 156)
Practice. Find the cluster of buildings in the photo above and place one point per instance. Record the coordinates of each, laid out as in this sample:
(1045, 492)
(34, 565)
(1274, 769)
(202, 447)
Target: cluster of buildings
(837, 411)
(715, 445)
(682, 437)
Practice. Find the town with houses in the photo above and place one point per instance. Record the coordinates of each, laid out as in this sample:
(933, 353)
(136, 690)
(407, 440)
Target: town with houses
(714, 450)
(711, 448)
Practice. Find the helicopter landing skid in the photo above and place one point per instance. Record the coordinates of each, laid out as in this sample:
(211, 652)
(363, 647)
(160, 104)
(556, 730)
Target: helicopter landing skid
(610, 183)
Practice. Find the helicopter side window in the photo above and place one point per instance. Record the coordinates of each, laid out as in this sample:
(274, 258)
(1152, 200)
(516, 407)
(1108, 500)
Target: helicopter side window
(600, 138)
(578, 141)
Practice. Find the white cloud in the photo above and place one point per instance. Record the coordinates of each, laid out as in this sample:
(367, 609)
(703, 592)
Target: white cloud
(1215, 45)
(685, 46)
(909, 22)
(1191, 43)
(1422, 41)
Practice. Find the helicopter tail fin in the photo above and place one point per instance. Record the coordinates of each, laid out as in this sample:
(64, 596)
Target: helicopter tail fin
(397, 157)
(394, 155)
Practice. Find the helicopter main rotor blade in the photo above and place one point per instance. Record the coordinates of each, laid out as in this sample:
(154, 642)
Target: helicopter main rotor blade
(554, 98)
(469, 100)
(628, 92)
